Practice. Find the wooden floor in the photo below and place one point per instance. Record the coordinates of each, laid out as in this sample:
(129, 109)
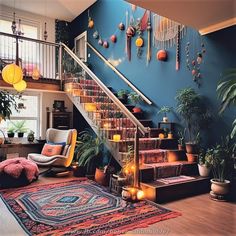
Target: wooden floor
(200, 216)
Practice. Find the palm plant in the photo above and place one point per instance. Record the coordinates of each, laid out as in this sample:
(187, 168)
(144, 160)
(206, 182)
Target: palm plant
(226, 90)
(165, 110)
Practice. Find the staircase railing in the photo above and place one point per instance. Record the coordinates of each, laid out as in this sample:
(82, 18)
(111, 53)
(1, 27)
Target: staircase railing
(101, 107)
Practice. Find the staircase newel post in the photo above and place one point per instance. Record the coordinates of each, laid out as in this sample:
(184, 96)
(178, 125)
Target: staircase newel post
(60, 67)
(136, 158)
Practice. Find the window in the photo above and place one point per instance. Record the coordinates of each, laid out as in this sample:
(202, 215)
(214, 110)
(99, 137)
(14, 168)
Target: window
(29, 112)
(81, 46)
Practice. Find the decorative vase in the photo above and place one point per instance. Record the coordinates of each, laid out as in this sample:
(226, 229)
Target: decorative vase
(192, 157)
(181, 147)
(30, 137)
(170, 136)
(137, 110)
(204, 171)
(220, 188)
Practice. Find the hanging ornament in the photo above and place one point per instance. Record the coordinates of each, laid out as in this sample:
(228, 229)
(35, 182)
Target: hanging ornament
(35, 74)
(95, 35)
(45, 33)
(162, 55)
(100, 42)
(12, 74)
(90, 23)
(21, 86)
(139, 42)
(105, 44)
(113, 38)
(121, 26)
(199, 58)
(149, 28)
(144, 20)
(177, 62)
(129, 34)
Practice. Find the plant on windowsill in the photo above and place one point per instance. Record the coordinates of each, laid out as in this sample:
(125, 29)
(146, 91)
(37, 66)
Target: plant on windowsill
(165, 110)
(134, 98)
(222, 166)
(10, 132)
(20, 128)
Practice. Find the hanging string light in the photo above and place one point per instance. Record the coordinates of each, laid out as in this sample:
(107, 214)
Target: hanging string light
(13, 24)
(45, 33)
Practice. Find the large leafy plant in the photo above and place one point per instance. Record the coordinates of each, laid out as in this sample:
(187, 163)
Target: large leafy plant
(226, 90)
(20, 126)
(88, 146)
(7, 102)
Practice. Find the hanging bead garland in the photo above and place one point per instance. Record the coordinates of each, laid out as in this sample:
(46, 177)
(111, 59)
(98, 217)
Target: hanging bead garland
(194, 61)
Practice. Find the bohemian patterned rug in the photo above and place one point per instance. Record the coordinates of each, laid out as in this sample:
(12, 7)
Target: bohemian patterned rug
(79, 207)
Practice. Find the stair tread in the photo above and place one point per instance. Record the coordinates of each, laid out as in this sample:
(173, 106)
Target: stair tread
(167, 164)
(156, 184)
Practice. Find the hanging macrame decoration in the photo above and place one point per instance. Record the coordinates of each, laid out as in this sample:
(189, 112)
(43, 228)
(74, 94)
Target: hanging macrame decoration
(129, 34)
(177, 62)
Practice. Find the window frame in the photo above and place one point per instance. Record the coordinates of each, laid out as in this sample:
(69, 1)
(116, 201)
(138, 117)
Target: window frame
(79, 37)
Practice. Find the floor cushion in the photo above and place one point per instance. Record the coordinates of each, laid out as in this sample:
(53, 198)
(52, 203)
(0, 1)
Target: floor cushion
(17, 172)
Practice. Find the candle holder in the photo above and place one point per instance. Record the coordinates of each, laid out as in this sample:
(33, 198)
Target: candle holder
(116, 137)
(132, 194)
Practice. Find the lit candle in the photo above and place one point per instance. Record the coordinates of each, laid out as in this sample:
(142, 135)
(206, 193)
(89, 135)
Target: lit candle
(90, 107)
(107, 125)
(140, 194)
(116, 137)
(161, 136)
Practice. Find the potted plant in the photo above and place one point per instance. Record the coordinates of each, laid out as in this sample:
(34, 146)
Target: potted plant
(195, 114)
(30, 136)
(135, 99)
(165, 110)
(20, 128)
(88, 147)
(222, 166)
(204, 162)
(181, 139)
(123, 95)
(10, 132)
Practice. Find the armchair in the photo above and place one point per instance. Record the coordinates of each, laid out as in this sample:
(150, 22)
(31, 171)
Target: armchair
(62, 160)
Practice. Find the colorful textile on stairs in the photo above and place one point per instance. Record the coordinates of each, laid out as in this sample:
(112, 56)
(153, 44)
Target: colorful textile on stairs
(152, 156)
(79, 207)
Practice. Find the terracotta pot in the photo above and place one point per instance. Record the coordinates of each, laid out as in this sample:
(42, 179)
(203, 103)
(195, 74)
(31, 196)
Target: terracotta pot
(220, 188)
(101, 177)
(192, 157)
(192, 148)
(204, 171)
(170, 136)
(79, 171)
(137, 110)
(181, 148)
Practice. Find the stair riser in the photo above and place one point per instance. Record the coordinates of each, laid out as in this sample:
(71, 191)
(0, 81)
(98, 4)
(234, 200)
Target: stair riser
(117, 123)
(88, 99)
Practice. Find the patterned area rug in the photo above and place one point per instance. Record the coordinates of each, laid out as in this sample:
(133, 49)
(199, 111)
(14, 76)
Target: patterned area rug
(78, 207)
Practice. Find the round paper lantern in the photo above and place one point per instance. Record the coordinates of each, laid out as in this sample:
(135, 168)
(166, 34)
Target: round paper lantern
(35, 74)
(91, 24)
(161, 55)
(130, 31)
(139, 42)
(121, 26)
(105, 44)
(12, 74)
(100, 42)
(20, 86)
(95, 35)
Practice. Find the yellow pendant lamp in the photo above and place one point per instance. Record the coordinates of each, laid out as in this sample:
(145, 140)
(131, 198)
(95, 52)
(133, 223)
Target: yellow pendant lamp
(20, 86)
(12, 74)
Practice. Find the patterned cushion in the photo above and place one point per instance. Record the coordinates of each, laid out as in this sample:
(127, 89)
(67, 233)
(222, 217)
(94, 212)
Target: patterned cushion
(51, 150)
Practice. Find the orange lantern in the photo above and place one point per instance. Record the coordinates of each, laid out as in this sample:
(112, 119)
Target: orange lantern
(12, 74)
(161, 55)
(20, 86)
(90, 23)
(35, 74)
(139, 42)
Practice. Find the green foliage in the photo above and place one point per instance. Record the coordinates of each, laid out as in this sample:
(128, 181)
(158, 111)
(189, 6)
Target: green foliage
(87, 147)
(10, 130)
(205, 157)
(20, 126)
(181, 137)
(192, 109)
(134, 98)
(165, 110)
(226, 90)
(7, 102)
(121, 93)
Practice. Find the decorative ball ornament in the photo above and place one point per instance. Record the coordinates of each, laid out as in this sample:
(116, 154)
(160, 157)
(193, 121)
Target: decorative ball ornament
(100, 42)
(121, 26)
(130, 32)
(12, 74)
(90, 23)
(113, 38)
(35, 74)
(139, 42)
(105, 44)
(21, 86)
(162, 55)
(95, 35)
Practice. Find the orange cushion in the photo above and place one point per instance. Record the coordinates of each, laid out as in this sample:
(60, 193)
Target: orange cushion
(51, 150)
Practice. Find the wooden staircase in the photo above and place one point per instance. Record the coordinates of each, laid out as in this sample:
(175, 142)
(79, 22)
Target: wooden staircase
(158, 158)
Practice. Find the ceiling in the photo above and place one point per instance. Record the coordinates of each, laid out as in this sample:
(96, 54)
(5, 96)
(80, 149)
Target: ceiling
(57, 9)
(204, 15)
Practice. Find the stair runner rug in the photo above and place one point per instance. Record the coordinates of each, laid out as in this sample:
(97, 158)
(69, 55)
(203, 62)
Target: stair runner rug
(175, 179)
(79, 207)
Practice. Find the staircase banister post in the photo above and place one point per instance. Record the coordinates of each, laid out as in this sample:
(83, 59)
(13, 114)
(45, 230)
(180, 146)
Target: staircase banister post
(60, 66)
(136, 158)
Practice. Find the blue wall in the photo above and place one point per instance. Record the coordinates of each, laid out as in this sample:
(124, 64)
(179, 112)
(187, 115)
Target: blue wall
(159, 81)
